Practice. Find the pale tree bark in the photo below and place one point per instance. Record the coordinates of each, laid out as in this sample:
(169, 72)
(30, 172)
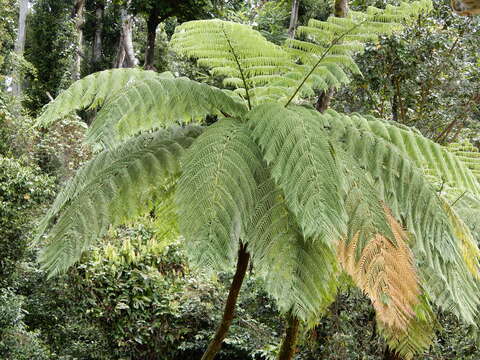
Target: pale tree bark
(126, 54)
(325, 96)
(229, 310)
(20, 44)
(97, 53)
(293, 18)
(77, 14)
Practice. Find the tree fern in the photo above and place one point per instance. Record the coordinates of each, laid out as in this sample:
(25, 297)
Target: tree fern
(300, 192)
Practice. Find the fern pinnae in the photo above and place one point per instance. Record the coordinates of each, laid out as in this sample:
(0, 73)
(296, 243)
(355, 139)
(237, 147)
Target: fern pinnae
(117, 184)
(156, 103)
(324, 54)
(216, 192)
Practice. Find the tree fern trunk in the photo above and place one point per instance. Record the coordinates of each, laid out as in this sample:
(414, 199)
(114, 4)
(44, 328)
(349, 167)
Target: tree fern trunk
(229, 311)
(289, 344)
(390, 355)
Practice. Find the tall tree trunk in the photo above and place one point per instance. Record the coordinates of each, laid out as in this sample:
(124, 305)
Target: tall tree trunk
(289, 344)
(152, 24)
(390, 355)
(97, 53)
(229, 310)
(20, 44)
(77, 14)
(293, 18)
(126, 54)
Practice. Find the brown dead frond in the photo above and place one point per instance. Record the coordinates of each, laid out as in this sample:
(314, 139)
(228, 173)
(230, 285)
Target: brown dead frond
(385, 272)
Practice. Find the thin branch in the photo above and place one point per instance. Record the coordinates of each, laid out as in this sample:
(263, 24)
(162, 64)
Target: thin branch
(325, 53)
(239, 67)
(458, 198)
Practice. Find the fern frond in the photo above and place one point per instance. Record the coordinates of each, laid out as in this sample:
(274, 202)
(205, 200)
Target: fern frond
(216, 192)
(93, 91)
(403, 186)
(417, 338)
(385, 272)
(155, 103)
(299, 273)
(344, 37)
(230, 49)
(304, 165)
(468, 154)
(115, 186)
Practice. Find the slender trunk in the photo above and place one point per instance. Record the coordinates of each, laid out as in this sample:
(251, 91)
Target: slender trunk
(293, 19)
(97, 52)
(20, 44)
(152, 24)
(341, 8)
(323, 100)
(77, 14)
(126, 54)
(390, 355)
(229, 310)
(289, 344)
(325, 96)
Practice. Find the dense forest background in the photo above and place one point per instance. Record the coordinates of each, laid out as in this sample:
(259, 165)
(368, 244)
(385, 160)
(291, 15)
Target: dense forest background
(133, 296)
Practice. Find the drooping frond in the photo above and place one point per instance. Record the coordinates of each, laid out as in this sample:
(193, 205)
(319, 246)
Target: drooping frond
(299, 273)
(116, 185)
(403, 186)
(216, 192)
(417, 338)
(304, 165)
(156, 102)
(385, 272)
(468, 245)
(434, 159)
(93, 91)
(236, 51)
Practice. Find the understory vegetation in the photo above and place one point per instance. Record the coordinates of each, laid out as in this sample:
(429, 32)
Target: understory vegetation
(223, 179)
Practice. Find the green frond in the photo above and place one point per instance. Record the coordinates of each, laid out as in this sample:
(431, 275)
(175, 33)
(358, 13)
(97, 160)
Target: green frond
(334, 42)
(231, 49)
(216, 192)
(158, 103)
(93, 91)
(403, 186)
(434, 159)
(468, 154)
(305, 166)
(115, 186)
(299, 273)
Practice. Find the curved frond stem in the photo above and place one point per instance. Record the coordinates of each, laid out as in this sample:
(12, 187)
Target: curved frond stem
(235, 56)
(325, 53)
